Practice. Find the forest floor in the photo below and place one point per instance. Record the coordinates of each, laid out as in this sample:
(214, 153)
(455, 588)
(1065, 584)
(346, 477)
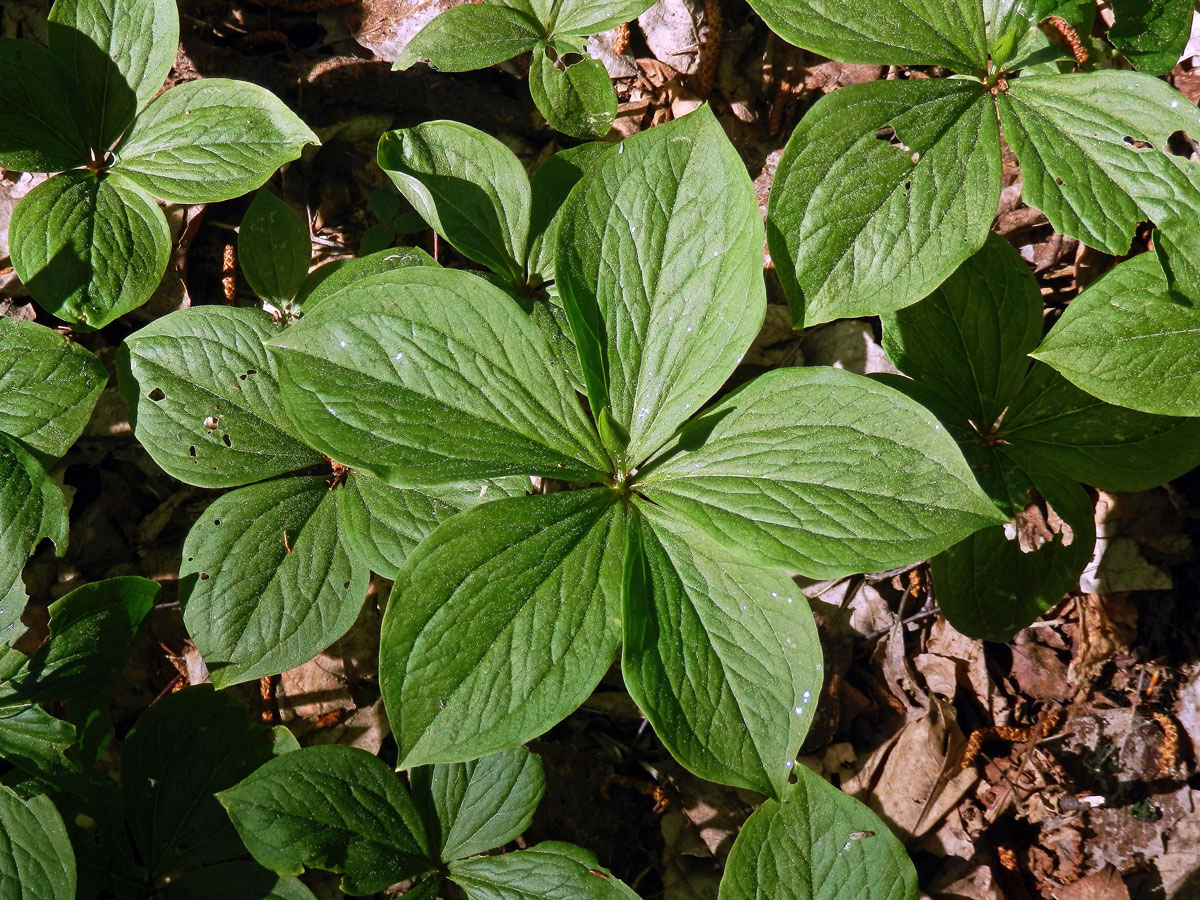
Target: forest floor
(1063, 764)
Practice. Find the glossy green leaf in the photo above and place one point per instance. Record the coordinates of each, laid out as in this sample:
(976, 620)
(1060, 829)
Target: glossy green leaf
(1031, 44)
(205, 397)
(967, 341)
(36, 859)
(383, 524)
(1129, 341)
(433, 376)
(469, 187)
(991, 587)
(42, 113)
(184, 749)
(818, 844)
(1004, 16)
(33, 740)
(31, 508)
(883, 189)
(659, 264)
(119, 52)
(1151, 34)
(1077, 138)
(208, 140)
(890, 32)
(48, 386)
(91, 631)
(235, 880)
(577, 98)
(719, 654)
(476, 806)
(267, 582)
(89, 249)
(335, 808)
(823, 472)
(595, 16)
(274, 249)
(472, 36)
(332, 277)
(1108, 446)
(501, 623)
(547, 871)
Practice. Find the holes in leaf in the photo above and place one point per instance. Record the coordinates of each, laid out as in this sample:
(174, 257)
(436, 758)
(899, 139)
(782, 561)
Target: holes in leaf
(216, 521)
(1179, 144)
(157, 395)
(1140, 145)
(191, 559)
(908, 185)
(192, 451)
(248, 373)
(888, 133)
(211, 423)
(1058, 181)
(225, 439)
(204, 576)
(345, 585)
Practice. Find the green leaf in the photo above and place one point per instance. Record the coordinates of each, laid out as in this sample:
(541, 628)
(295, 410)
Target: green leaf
(205, 397)
(823, 472)
(576, 98)
(659, 264)
(550, 185)
(209, 140)
(595, 16)
(1019, 19)
(267, 583)
(1129, 341)
(966, 343)
(476, 806)
(989, 587)
(332, 277)
(547, 871)
(33, 740)
(335, 808)
(183, 750)
(235, 880)
(1108, 446)
(883, 189)
(383, 524)
(89, 249)
(42, 112)
(274, 248)
(433, 376)
(119, 52)
(501, 623)
(723, 661)
(36, 860)
(818, 844)
(31, 508)
(472, 36)
(890, 32)
(1076, 137)
(91, 631)
(1151, 34)
(48, 386)
(469, 187)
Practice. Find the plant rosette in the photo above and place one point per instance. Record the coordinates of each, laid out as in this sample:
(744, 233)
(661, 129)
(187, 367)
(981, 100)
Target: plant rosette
(674, 545)
(571, 89)
(886, 187)
(91, 243)
(1030, 436)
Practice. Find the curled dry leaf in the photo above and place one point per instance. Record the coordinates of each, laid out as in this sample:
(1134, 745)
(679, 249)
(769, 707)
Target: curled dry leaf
(388, 25)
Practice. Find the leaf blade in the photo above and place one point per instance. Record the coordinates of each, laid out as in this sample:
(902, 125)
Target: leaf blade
(36, 859)
(859, 220)
(89, 251)
(209, 140)
(330, 807)
(431, 376)
(501, 580)
(205, 397)
(280, 585)
(274, 248)
(718, 655)
(793, 468)
(547, 871)
(658, 262)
